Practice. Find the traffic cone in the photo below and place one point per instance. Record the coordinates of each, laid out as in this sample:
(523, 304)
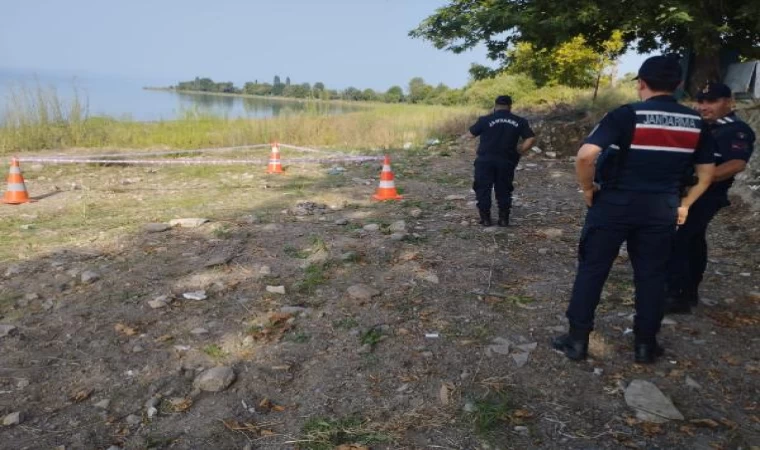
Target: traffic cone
(16, 193)
(275, 166)
(387, 188)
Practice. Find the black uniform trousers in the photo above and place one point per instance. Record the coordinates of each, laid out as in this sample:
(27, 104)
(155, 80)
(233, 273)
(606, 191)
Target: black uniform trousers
(647, 222)
(494, 175)
(689, 260)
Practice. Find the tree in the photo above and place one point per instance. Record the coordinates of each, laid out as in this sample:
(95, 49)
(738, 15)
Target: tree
(480, 72)
(418, 90)
(287, 81)
(277, 86)
(394, 95)
(524, 58)
(369, 95)
(690, 28)
(351, 93)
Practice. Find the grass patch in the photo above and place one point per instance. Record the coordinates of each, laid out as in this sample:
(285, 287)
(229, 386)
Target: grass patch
(299, 337)
(213, 351)
(491, 413)
(326, 434)
(294, 252)
(346, 323)
(371, 337)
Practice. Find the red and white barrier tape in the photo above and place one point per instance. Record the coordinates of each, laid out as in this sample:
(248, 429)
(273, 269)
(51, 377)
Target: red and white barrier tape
(218, 162)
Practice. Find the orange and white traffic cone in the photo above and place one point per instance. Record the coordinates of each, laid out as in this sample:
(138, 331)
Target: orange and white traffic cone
(16, 193)
(275, 166)
(387, 188)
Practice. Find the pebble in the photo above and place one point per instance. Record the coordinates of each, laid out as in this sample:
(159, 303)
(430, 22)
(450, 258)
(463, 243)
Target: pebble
(365, 349)
(89, 276)
(138, 349)
(543, 251)
(668, 321)
(276, 290)
(708, 302)
(415, 212)
(195, 295)
(198, 331)
(371, 227)
(7, 330)
(349, 256)
(22, 383)
(215, 380)
(362, 292)
(500, 346)
(521, 359)
(133, 420)
(528, 347)
(341, 222)
(160, 302)
(156, 227)
(455, 197)
(692, 383)
(398, 226)
(552, 233)
(650, 403)
(103, 404)
(521, 430)
(399, 236)
(551, 154)
(469, 407)
(47, 305)
(188, 223)
(598, 371)
(11, 419)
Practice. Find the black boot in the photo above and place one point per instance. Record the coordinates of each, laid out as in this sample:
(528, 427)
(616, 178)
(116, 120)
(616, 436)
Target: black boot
(573, 344)
(646, 351)
(503, 218)
(485, 217)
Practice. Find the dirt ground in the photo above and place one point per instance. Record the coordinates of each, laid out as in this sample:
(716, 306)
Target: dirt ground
(431, 354)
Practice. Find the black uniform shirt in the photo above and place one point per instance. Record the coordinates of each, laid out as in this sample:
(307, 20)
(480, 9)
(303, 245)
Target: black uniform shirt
(734, 139)
(499, 133)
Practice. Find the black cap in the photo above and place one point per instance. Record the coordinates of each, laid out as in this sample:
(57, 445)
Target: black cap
(664, 68)
(503, 100)
(714, 91)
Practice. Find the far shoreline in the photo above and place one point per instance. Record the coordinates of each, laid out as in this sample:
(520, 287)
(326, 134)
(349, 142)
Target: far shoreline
(362, 103)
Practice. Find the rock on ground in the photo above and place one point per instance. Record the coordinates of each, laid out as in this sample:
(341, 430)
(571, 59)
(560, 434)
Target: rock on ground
(650, 403)
(188, 223)
(362, 292)
(156, 227)
(215, 380)
(12, 419)
(7, 330)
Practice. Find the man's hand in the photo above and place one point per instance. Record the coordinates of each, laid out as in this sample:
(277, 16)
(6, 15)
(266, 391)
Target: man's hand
(588, 194)
(683, 214)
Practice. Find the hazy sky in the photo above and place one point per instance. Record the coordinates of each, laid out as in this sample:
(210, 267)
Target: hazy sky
(342, 43)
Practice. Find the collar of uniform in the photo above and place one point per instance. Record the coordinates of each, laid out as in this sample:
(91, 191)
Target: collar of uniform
(729, 118)
(662, 98)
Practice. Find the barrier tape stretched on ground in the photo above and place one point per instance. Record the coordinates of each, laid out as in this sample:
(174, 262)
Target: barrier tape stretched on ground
(217, 162)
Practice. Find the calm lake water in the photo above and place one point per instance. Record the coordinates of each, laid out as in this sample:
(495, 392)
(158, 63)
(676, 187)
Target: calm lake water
(125, 98)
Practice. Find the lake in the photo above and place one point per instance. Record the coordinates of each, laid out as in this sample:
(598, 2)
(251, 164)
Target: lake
(125, 98)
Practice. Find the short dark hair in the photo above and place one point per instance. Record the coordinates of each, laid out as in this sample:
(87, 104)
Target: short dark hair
(662, 86)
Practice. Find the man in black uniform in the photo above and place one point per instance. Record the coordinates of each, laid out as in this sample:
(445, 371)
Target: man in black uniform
(498, 157)
(734, 141)
(644, 149)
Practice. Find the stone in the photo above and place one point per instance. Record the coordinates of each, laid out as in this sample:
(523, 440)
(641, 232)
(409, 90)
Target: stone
(692, 383)
(455, 197)
(195, 295)
(362, 292)
(47, 305)
(271, 227)
(708, 302)
(295, 310)
(551, 233)
(598, 371)
(668, 321)
(499, 346)
(650, 403)
(407, 145)
(133, 420)
(349, 256)
(276, 290)
(156, 227)
(543, 251)
(11, 419)
(89, 277)
(371, 227)
(522, 430)
(365, 349)
(415, 212)
(398, 226)
(469, 407)
(198, 331)
(528, 347)
(188, 223)
(521, 359)
(138, 349)
(551, 154)
(160, 302)
(103, 404)
(215, 380)
(341, 222)
(22, 383)
(7, 330)
(399, 236)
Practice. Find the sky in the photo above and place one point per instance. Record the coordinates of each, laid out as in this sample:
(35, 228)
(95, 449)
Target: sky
(342, 43)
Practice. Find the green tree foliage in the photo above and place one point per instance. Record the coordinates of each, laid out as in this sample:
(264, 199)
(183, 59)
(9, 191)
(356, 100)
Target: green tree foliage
(483, 92)
(681, 26)
(394, 95)
(418, 90)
